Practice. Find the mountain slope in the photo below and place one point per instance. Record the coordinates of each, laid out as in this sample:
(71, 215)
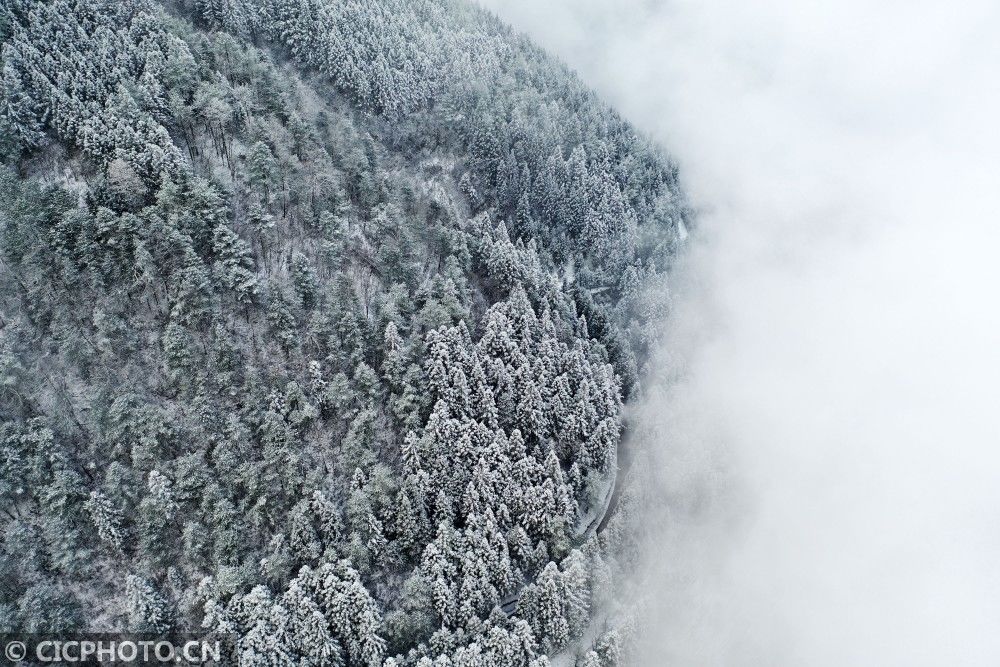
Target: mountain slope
(316, 321)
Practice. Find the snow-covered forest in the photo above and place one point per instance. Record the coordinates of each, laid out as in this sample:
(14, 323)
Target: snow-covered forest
(317, 323)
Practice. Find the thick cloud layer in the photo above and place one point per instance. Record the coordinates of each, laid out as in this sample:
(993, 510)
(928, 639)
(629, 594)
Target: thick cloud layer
(831, 448)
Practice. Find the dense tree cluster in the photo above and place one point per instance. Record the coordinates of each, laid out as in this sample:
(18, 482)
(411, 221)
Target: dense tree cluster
(95, 74)
(541, 149)
(333, 371)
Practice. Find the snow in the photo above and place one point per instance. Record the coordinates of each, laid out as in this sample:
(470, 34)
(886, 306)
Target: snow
(593, 516)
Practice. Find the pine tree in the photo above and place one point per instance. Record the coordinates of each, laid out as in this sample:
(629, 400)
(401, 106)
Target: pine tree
(148, 611)
(107, 519)
(21, 118)
(308, 632)
(283, 323)
(347, 605)
(393, 360)
(576, 582)
(305, 281)
(261, 168)
(545, 608)
(46, 608)
(234, 263)
(407, 524)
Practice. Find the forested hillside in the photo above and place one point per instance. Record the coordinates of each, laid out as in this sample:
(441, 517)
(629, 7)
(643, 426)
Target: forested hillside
(317, 318)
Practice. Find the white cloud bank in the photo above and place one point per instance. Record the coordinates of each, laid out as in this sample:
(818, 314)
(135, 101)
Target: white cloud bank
(837, 328)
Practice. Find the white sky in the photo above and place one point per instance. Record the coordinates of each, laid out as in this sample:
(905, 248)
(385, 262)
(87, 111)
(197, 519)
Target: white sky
(837, 323)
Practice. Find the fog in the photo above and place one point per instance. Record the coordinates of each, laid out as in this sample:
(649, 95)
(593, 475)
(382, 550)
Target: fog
(828, 407)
